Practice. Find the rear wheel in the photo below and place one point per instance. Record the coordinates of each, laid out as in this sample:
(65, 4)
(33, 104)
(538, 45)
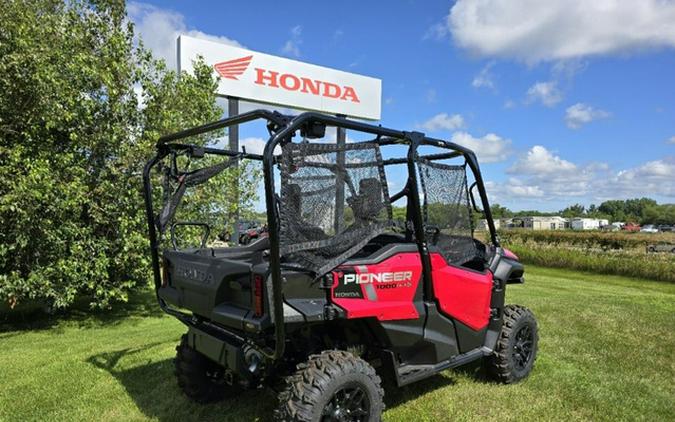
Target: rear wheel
(516, 348)
(332, 386)
(201, 379)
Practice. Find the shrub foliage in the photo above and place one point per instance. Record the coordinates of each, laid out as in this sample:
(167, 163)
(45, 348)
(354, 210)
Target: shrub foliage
(82, 105)
(603, 253)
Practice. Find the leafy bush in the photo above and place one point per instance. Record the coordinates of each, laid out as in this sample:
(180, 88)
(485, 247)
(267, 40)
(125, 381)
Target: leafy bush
(74, 137)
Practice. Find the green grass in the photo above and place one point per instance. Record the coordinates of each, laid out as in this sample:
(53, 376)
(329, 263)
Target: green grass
(606, 353)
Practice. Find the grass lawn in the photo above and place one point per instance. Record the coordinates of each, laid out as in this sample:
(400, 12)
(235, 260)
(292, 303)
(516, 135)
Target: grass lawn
(607, 349)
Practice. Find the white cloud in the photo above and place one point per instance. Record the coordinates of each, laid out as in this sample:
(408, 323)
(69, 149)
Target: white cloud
(534, 30)
(544, 175)
(337, 34)
(484, 78)
(540, 161)
(292, 46)
(520, 191)
(490, 148)
(437, 31)
(548, 175)
(568, 68)
(545, 92)
(651, 178)
(508, 104)
(159, 29)
(443, 121)
(431, 95)
(671, 140)
(579, 114)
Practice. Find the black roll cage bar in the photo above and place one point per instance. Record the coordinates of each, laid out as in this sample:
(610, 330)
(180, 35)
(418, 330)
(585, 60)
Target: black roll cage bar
(281, 129)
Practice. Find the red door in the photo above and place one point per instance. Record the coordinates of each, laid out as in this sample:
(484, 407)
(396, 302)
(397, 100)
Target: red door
(462, 294)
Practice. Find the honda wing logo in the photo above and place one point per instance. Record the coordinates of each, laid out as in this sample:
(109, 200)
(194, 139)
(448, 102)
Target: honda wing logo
(232, 69)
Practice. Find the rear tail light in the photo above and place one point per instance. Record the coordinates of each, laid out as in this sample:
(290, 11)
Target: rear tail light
(258, 285)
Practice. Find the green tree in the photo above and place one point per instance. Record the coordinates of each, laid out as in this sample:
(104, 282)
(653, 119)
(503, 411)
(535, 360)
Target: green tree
(73, 141)
(499, 211)
(576, 210)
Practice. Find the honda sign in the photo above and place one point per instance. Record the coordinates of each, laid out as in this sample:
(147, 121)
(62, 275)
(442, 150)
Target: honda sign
(276, 80)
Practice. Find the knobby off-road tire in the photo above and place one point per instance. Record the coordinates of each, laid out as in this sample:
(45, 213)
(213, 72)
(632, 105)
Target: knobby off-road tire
(516, 348)
(332, 386)
(200, 378)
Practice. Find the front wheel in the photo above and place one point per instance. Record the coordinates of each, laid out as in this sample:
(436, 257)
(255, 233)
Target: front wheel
(516, 348)
(332, 386)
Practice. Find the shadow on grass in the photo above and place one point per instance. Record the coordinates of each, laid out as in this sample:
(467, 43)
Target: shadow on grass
(395, 396)
(141, 303)
(153, 388)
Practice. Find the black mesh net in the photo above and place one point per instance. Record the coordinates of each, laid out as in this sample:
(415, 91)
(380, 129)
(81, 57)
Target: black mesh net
(334, 199)
(446, 211)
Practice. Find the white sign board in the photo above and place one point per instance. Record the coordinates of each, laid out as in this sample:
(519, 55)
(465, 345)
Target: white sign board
(276, 80)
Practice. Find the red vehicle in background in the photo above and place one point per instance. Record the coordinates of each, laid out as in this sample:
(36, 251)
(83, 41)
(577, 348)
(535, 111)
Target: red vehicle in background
(631, 227)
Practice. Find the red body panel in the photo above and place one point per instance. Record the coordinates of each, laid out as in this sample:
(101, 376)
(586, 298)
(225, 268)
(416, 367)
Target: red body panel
(387, 297)
(462, 294)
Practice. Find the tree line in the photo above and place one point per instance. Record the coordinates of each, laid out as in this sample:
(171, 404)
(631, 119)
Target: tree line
(637, 210)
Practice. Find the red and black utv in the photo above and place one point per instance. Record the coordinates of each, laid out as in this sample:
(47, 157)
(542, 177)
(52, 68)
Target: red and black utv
(343, 290)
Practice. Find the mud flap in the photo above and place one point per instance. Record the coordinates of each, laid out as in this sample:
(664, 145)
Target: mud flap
(219, 351)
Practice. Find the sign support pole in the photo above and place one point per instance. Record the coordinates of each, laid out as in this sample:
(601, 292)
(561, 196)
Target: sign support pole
(233, 138)
(341, 138)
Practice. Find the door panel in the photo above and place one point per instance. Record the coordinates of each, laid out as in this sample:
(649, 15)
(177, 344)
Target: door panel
(462, 294)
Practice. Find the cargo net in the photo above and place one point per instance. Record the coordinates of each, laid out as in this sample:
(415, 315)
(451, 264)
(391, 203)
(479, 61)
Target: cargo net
(317, 181)
(447, 213)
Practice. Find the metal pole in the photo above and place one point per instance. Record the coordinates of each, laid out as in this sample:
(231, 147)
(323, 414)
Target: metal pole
(341, 139)
(233, 138)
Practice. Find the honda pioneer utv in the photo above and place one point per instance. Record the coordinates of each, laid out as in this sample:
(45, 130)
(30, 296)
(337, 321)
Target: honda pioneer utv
(344, 290)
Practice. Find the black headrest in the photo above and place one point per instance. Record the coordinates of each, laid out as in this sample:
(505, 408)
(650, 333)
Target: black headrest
(368, 203)
(371, 187)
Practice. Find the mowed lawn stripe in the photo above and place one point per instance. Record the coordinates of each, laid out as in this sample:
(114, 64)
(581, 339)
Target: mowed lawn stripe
(606, 353)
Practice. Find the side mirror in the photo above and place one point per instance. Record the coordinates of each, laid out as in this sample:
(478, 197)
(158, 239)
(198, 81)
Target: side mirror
(473, 200)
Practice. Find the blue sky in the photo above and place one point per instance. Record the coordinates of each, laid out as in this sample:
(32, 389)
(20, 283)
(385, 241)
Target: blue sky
(564, 101)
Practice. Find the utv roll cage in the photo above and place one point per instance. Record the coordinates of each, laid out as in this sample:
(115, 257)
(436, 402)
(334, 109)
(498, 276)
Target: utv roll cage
(281, 129)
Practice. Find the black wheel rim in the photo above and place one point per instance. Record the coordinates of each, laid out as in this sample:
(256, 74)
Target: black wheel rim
(523, 347)
(348, 404)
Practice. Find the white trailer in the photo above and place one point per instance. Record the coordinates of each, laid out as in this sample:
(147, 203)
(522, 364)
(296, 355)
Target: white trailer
(586, 224)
